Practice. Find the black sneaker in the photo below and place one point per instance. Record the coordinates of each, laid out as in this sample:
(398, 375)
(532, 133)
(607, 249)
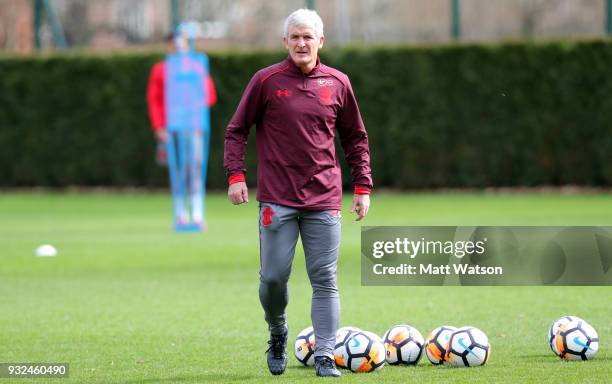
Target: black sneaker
(326, 367)
(277, 354)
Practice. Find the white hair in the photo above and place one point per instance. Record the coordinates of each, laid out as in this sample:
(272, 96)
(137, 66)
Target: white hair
(306, 18)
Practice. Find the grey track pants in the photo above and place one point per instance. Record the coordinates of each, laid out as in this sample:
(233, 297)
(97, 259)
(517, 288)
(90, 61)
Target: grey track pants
(279, 228)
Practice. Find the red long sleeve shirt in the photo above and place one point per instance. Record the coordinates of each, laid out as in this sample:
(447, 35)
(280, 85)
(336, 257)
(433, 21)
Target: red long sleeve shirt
(296, 117)
(156, 95)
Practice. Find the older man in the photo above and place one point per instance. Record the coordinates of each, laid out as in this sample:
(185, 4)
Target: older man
(297, 106)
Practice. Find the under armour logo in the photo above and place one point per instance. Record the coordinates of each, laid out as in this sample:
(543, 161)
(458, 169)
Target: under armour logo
(282, 92)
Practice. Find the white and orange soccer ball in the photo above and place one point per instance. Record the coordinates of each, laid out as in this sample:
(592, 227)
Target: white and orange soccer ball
(554, 329)
(576, 340)
(305, 347)
(467, 347)
(365, 352)
(437, 344)
(404, 345)
(342, 336)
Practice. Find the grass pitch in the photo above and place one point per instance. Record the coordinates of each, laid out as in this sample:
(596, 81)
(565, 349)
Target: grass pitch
(127, 300)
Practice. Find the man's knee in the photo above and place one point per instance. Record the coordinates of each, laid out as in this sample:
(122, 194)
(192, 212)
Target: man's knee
(324, 284)
(273, 282)
(274, 275)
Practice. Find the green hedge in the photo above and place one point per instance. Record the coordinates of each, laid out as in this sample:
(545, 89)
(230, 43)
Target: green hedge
(517, 114)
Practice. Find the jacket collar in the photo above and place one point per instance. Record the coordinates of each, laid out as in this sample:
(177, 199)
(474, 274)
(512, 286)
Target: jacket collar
(298, 70)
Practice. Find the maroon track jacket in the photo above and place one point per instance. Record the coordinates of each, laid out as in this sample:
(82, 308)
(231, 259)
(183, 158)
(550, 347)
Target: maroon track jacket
(296, 116)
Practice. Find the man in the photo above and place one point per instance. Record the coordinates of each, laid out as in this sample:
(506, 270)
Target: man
(166, 93)
(156, 98)
(297, 105)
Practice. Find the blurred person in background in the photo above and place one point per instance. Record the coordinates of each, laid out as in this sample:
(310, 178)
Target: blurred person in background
(178, 110)
(297, 106)
(156, 99)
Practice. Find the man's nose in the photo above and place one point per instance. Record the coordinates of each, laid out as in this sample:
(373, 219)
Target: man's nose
(301, 42)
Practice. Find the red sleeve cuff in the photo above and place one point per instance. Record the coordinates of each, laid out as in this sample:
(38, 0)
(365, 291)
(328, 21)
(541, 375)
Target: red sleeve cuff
(237, 178)
(362, 190)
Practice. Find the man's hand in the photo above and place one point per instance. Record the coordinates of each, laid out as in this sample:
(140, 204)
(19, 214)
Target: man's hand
(361, 204)
(161, 135)
(238, 193)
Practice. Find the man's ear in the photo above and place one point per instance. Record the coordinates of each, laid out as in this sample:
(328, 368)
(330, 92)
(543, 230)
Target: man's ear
(321, 40)
(285, 42)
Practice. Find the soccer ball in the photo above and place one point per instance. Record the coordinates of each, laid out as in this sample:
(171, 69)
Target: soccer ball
(339, 349)
(554, 328)
(365, 352)
(305, 347)
(468, 347)
(404, 345)
(576, 340)
(437, 344)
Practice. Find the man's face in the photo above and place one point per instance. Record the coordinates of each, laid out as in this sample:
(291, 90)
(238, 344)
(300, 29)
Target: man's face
(181, 44)
(303, 45)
